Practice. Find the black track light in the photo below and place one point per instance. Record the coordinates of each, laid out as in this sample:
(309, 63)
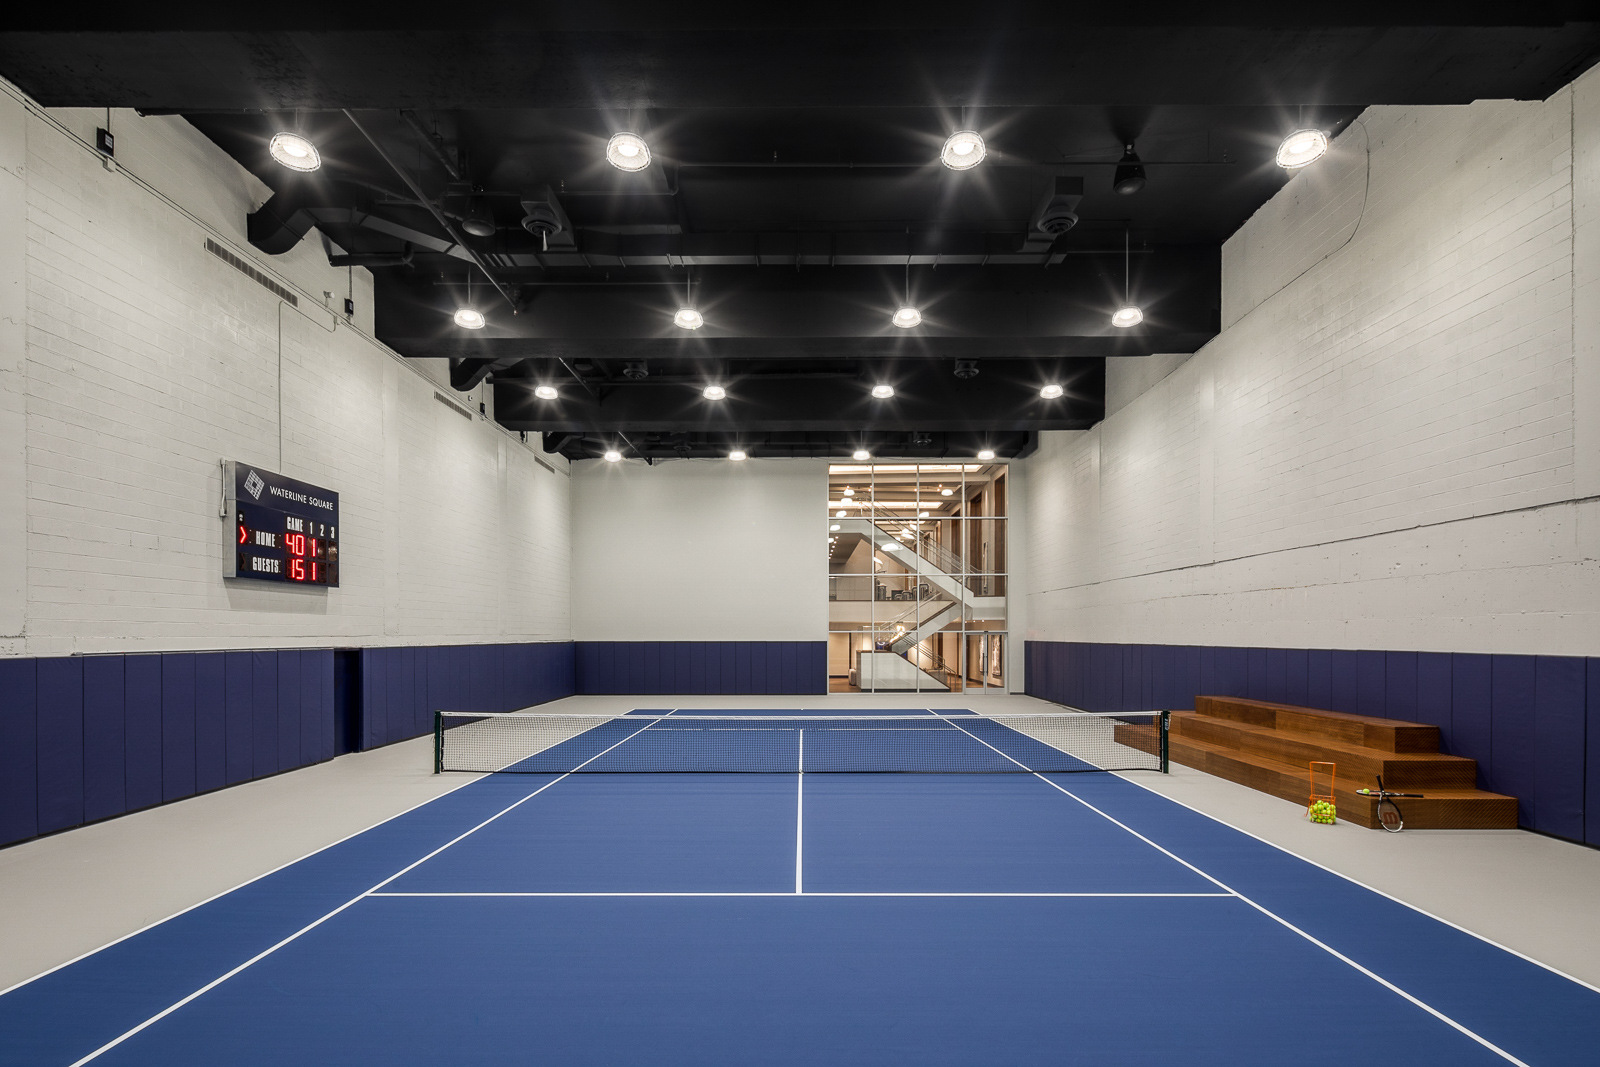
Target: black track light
(1129, 178)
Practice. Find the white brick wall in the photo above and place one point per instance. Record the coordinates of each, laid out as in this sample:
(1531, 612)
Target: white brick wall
(1378, 451)
(147, 360)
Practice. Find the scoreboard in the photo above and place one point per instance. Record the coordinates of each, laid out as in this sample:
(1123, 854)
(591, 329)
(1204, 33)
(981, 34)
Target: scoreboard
(283, 530)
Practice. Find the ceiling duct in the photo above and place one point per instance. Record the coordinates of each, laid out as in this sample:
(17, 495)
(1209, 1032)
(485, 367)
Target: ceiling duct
(1056, 214)
(543, 216)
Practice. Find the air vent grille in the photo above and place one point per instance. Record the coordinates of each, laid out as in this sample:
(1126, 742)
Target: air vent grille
(452, 405)
(244, 267)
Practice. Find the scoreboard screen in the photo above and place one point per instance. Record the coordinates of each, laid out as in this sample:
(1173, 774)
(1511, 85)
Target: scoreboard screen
(283, 530)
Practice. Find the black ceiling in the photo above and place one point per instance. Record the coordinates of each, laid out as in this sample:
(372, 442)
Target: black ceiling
(796, 180)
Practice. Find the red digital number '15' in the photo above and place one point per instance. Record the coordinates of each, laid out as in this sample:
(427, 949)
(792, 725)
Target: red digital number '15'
(297, 570)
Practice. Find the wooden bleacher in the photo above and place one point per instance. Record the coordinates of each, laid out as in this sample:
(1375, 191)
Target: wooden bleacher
(1267, 747)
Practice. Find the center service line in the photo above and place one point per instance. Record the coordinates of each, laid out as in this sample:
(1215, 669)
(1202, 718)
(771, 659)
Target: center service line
(799, 811)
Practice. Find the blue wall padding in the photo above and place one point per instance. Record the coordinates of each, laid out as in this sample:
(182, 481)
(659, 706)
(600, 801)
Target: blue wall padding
(697, 667)
(19, 750)
(105, 752)
(141, 709)
(177, 726)
(60, 710)
(84, 738)
(1531, 722)
(210, 722)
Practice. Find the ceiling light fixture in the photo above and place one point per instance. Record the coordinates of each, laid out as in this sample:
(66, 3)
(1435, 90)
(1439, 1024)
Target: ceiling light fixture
(1051, 391)
(947, 492)
(1302, 147)
(687, 317)
(922, 514)
(963, 150)
(479, 220)
(736, 455)
(849, 491)
(627, 151)
(613, 456)
(545, 392)
(1129, 314)
(860, 454)
(907, 315)
(883, 392)
(295, 151)
(468, 317)
(1129, 176)
(835, 526)
(839, 514)
(986, 454)
(714, 392)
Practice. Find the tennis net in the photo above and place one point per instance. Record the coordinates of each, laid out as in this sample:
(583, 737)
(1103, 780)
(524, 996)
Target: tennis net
(533, 743)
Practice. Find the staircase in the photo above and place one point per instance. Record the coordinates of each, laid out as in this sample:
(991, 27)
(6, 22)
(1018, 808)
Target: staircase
(942, 570)
(1267, 747)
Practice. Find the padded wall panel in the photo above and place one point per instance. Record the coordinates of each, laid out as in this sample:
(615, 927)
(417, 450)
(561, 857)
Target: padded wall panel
(105, 752)
(264, 709)
(310, 708)
(1345, 691)
(1297, 676)
(1319, 678)
(60, 704)
(1256, 673)
(1400, 685)
(1511, 729)
(210, 722)
(1591, 821)
(1371, 675)
(374, 699)
(1277, 675)
(1560, 690)
(1233, 672)
(1433, 692)
(177, 726)
(1470, 693)
(141, 694)
(238, 710)
(19, 750)
(288, 709)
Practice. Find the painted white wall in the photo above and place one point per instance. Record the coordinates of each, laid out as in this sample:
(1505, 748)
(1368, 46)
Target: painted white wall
(142, 360)
(700, 550)
(1394, 442)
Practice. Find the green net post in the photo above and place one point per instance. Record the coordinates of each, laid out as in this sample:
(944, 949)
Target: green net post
(1166, 725)
(438, 742)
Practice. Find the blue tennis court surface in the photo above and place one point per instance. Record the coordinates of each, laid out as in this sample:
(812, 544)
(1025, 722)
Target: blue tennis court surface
(801, 919)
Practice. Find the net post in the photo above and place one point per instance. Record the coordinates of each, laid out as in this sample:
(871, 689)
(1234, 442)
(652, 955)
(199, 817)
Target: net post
(1166, 725)
(438, 742)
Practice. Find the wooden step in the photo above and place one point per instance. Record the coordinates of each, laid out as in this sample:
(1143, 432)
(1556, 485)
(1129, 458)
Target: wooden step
(1367, 731)
(1439, 809)
(1400, 770)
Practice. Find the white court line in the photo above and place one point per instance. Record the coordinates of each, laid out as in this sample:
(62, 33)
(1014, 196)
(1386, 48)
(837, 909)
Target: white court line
(799, 811)
(691, 893)
(114, 1042)
(1335, 953)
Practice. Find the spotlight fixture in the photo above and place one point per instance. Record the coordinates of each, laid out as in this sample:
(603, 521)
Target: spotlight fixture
(963, 150)
(613, 456)
(1051, 391)
(627, 151)
(545, 392)
(1302, 147)
(883, 392)
(1129, 314)
(479, 221)
(849, 491)
(688, 317)
(467, 316)
(736, 455)
(922, 514)
(1129, 176)
(907, 317)
(839, 514)
(294, 150)
(715, 392)
(860, 455)
(986, 454)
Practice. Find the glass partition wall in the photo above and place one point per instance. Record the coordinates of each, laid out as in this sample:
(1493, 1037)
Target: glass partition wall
(917, 577)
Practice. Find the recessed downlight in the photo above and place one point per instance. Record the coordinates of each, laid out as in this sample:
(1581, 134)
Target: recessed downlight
(839, 514)
(922, 514)
(470, 319)
(1051, 391)
(545, 392)
(860, 454)
(613, 456)
(627, 151)
(986, 454)
(1302, 147)
(906, 317)
(963, 150)
(1128, 316)
(714, 392)
(688, 319)
(883, 392)
(947, 492)
(832, 528)
(736, 455)
(295, 151)
(849, 491)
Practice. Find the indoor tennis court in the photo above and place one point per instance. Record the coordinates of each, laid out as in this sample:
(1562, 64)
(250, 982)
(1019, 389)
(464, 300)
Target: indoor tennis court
(946, 912)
